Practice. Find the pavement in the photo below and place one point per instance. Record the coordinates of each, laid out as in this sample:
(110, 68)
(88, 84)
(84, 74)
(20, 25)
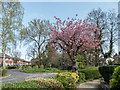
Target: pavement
(92, 85)
(16, 75)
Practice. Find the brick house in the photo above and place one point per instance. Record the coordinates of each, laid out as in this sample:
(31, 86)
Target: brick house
(8, 60)
(13, 60)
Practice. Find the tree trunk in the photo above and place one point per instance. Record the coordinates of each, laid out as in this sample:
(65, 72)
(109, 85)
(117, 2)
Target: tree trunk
(104, 61)
(96, 60)
(63, 62)
(3, 59)
(75, 66)
(3, 53)
(40, 60)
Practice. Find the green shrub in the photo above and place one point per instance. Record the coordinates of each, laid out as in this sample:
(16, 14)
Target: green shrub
(24, 84)
(35, 69)
(23, 66)
(115, 81)
(81, 65)
(28, 66)
(41, 66)
(48, 83)
(11, 67)
(117, 64)
(68, 79)
(90, 73)
(36, 66)
(30, 69)
(107, 71)
(3, 72)
(52, 70)
(18, 67)
(81, 77)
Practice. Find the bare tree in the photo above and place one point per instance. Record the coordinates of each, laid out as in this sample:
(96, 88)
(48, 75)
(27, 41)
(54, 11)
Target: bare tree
(11, 20)
(111, 34)
(16, 53)
(36, 36)
(107, 22)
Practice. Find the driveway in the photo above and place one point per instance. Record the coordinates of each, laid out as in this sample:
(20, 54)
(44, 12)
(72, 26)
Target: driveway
(92, 85)
(16, 75)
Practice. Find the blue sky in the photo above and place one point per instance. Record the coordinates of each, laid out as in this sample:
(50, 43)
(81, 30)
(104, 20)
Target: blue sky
(47, 10)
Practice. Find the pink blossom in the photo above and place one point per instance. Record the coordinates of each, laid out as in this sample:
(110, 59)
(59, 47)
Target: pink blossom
(93, 51)
(75, 34)
(89, 54)
(72, 49)
(74, 57)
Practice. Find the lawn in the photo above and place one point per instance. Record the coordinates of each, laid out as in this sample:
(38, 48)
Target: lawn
(48, 70)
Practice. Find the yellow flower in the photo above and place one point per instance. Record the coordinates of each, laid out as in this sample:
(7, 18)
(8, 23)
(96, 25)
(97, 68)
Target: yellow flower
(75, 76)
(36, 66)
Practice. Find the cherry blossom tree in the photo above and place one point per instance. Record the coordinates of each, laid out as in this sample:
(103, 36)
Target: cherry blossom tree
(73, 36)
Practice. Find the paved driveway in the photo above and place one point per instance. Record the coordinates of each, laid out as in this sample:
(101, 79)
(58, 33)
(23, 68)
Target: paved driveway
(16, 75)
(90, 85)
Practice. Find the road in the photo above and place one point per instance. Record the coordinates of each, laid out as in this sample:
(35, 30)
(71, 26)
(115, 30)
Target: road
(16, 75)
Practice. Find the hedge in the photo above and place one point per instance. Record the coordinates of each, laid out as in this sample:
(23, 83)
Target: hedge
(11, 67)
(107, 71)
(90, 73)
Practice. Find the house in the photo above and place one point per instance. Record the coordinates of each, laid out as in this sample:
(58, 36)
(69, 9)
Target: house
(10, 61)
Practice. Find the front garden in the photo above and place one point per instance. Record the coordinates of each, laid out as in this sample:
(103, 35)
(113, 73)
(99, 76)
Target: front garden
(64, 78)
(68, 79)
(75, 49)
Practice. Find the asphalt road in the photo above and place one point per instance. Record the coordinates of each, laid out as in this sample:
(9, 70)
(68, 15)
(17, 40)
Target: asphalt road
(16, 75)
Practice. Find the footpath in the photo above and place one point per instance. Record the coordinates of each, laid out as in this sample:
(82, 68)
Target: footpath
(92, 85)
